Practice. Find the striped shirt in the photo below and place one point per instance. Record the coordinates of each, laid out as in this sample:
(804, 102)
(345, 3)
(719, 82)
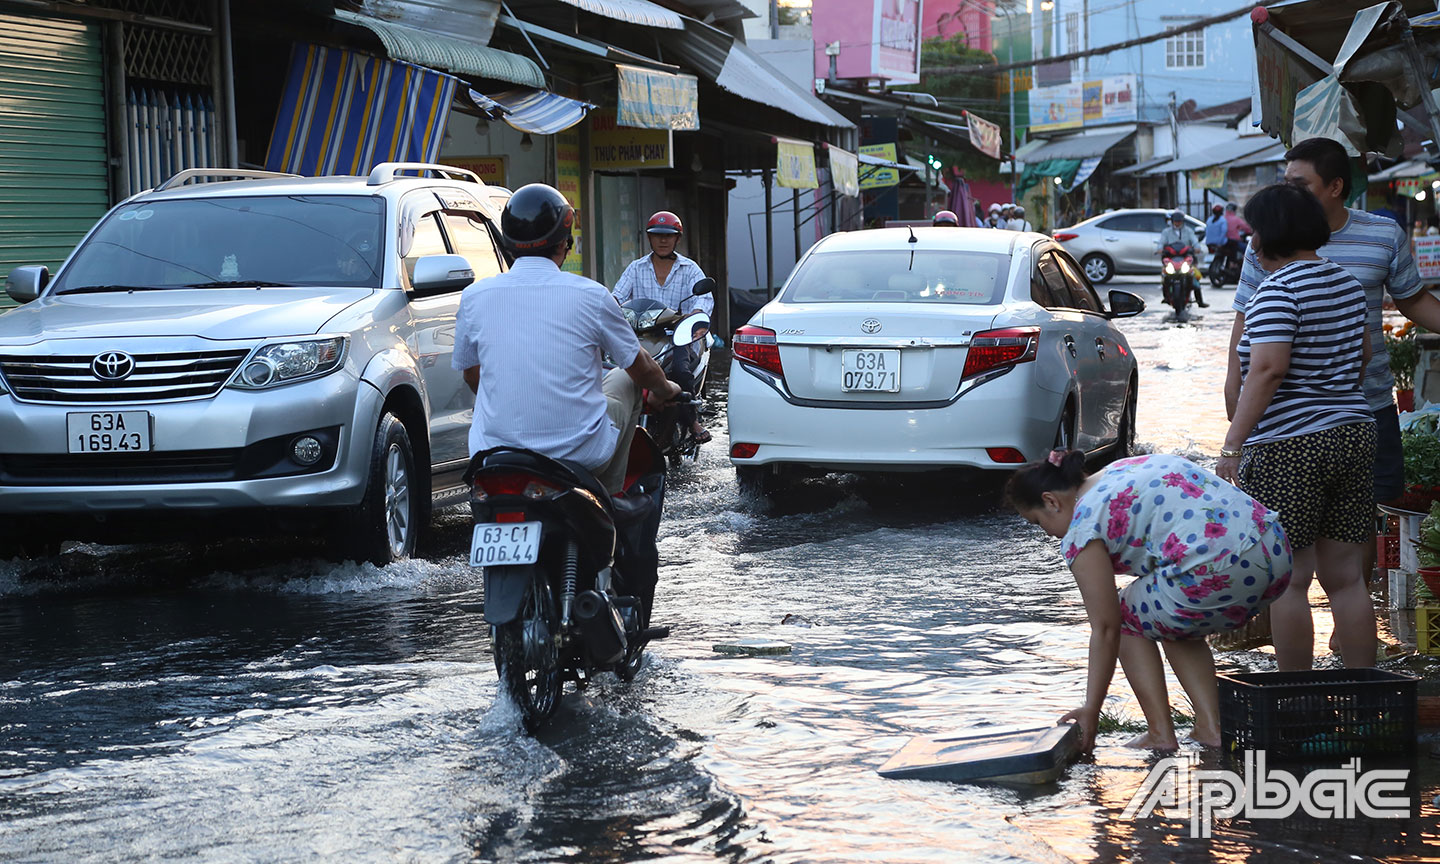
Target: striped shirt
(639, 282)
(1319, 310)
(1374, 250)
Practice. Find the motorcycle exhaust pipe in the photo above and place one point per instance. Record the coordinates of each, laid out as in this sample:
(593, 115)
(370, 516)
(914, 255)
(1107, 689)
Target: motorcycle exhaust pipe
(601, 627)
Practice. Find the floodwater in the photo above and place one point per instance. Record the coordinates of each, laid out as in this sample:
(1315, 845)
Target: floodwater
(250, 702)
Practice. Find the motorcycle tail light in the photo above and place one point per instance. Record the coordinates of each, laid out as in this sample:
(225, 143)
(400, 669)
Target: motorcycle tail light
(488, 485)
(756, 346)
(992, 349)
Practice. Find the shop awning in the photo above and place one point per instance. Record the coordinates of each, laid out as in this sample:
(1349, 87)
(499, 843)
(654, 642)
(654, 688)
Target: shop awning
(582, 45)
(1141, 167)
(451, 53)
(531, 110)
(343, 112)
(1221, 154)
(1274, 153)
(1083, 146)
(641, 12)
(1409, 168)
(719, 57)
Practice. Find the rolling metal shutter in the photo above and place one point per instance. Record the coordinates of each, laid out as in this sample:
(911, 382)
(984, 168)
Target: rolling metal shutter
(54, 176)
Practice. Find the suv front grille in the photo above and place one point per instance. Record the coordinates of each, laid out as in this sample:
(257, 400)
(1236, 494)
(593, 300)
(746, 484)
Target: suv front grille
(157, 377)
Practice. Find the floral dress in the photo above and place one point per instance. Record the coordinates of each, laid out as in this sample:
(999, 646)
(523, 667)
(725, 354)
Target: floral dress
(1206, 557)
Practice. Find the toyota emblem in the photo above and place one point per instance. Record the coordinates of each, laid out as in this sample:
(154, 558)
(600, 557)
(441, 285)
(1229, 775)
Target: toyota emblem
(870, 325)
(112, 366)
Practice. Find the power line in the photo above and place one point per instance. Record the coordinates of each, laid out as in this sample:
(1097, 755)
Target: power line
(1199, 24)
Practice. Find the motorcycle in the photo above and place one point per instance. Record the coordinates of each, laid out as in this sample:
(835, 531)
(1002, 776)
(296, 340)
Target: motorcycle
(569, 570)
(1226, 263)
(663, 332)
(1178, 273)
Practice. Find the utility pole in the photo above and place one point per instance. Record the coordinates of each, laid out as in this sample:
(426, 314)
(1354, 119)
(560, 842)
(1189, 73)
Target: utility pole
(1174, 151)
(774, 19)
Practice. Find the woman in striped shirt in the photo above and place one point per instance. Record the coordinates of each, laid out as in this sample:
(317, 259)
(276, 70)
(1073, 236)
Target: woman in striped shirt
(1302, 441)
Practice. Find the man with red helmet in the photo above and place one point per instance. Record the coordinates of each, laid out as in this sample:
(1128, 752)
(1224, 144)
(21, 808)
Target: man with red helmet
(669, 277)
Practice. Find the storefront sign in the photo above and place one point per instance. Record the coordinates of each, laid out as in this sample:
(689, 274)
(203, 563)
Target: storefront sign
(657, 100)
(1209, 178)
(490, 169)
(844, 172)
(874, 176)
(984, 135)
(1408, 186)
(567, 180)
(1109, 100)
(1427, 258)
(1053, 108)
(795, 164)
(889, 47)
(614, 147)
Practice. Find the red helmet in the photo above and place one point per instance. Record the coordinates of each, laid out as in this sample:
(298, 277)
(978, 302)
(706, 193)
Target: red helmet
(664, 222)
(946, 217)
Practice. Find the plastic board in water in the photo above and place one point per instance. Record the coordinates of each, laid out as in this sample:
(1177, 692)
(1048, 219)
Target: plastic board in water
(1007, 755)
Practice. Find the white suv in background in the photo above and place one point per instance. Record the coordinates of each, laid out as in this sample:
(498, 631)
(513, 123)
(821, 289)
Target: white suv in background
(256, 353)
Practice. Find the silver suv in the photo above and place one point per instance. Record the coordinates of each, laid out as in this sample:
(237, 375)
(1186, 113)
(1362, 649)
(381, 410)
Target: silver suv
(253, 353)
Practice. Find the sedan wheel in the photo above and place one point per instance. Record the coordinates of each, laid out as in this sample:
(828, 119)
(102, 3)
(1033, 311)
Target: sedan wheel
(1098, 268)
(1065, 435)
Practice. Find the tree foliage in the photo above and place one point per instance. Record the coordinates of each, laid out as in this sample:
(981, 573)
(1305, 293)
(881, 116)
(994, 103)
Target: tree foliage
(959, 92)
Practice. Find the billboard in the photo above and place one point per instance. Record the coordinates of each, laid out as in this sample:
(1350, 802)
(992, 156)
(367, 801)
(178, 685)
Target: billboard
(876, 39)
(1110, 100)
(1055, 108)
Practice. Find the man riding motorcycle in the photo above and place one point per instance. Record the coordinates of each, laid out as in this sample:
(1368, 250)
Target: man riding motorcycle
(669, 277)
(1177, 235)
(530, 343)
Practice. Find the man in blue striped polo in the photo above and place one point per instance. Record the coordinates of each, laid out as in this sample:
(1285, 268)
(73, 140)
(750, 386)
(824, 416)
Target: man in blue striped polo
(1376, 251)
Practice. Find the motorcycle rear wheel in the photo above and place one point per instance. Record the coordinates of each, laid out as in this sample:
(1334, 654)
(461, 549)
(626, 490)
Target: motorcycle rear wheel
(527, 658)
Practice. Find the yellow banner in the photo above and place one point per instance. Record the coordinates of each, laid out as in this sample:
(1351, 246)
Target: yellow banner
(844, 172)
(1209, 178)
(615, 147)
(873, 176)
(567, 180)
(795, 164)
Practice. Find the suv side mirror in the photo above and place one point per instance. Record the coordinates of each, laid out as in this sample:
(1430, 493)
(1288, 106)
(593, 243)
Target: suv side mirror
(1123, 304)
(25, 283)
(434, 273)
(704, 286)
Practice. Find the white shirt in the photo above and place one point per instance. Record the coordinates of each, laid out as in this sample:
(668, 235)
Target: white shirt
(1018, 224)
(538, 334)
(639, 282)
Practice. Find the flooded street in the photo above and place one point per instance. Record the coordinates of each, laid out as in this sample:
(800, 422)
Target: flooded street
(253, 702)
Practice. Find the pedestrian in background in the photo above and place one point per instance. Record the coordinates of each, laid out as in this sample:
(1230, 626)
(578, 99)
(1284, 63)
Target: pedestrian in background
(1302, 438)
(1018, 222)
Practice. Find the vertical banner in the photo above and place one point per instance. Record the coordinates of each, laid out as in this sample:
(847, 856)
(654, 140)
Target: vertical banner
(795, 164)
(984, 135)
(845, 172)
(567, 180)
(1427, 258)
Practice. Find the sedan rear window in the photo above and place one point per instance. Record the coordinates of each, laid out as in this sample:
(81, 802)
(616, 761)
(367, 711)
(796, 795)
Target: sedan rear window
(900, 276)
(320, 240)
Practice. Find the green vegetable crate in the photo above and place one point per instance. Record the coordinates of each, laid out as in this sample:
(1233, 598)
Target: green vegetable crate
(1321, 713)
(1427, 629)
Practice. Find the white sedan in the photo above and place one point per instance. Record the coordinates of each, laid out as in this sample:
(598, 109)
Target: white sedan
(904, 350)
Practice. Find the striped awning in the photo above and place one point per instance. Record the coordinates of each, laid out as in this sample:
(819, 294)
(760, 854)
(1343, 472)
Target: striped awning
(530, 110)
(641, 12)
(343, 113)
(442, 51)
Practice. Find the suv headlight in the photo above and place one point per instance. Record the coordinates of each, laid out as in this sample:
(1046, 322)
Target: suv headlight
(287, 362)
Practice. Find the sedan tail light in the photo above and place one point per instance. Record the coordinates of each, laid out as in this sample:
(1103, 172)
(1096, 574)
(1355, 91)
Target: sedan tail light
(992, 349)
(757, 347)
(1062, 236)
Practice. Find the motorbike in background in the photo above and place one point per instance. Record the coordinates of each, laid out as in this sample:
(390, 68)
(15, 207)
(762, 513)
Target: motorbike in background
(1178, 277)
(569, 570)
(1227, 262)
(663, 332)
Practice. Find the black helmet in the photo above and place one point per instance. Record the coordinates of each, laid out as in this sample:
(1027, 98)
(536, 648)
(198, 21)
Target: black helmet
(536, 218)
(1177, 216)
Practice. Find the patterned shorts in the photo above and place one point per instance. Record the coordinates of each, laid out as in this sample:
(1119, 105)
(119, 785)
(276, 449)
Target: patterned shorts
(1321, 484)
(1214, 599)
